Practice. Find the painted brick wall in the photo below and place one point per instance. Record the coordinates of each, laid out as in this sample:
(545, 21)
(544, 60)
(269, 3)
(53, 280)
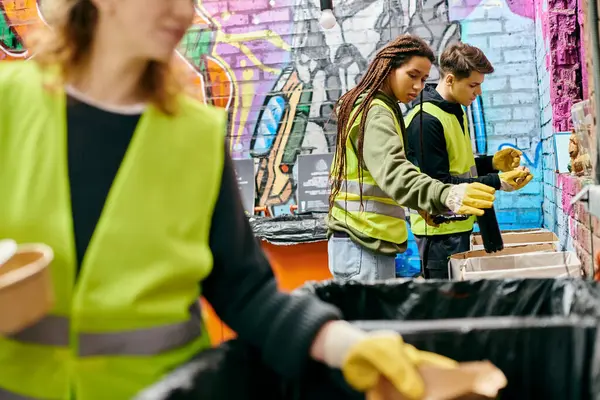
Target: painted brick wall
(510, 101)
(561, 63)
(591, 85)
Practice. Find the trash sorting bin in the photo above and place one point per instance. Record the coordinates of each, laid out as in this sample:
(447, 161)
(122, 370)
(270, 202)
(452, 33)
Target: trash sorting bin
(234, 370)
(542, 333)
(296, 246)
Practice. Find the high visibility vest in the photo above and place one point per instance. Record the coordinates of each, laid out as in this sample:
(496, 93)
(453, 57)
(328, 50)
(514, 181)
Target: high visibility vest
(379, 216)
(462, 164)
(132, 313)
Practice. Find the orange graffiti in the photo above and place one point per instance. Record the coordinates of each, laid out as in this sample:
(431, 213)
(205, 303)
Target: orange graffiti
(22, 17)
(212, 82)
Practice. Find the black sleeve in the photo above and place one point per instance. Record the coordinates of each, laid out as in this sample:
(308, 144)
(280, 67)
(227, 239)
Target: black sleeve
(435, 155)
(485, 165)
(243, 291)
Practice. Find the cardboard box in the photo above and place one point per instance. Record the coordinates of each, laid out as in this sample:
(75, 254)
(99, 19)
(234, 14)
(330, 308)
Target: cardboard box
(510, 261)
(520, 237)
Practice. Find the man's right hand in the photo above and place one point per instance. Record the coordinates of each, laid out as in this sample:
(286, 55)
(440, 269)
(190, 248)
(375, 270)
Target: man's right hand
(470, 198)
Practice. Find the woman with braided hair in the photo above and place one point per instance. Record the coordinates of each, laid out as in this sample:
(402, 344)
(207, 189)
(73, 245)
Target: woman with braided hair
(372, 181)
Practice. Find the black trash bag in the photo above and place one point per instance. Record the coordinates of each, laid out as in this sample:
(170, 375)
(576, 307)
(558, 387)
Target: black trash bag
(234, 370)
(542, 333)
(425, 300)
(291, 229)
(550, 358)
(547, 347)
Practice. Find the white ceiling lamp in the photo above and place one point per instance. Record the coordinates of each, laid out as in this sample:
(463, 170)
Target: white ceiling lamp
(327, 19)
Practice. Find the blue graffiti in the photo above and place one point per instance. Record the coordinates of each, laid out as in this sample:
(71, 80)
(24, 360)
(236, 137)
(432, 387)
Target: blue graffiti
(479, 125)
(528, 161)
(268, 125)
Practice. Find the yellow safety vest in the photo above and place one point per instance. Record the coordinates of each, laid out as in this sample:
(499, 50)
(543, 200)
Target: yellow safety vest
(380, 216)
(132, 314)
(462, 164)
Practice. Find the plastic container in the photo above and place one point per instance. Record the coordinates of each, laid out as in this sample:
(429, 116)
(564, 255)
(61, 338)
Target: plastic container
(296, 246)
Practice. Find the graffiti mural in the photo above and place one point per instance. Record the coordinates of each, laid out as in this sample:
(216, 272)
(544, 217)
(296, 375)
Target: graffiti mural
(279, 74)
(324, 65)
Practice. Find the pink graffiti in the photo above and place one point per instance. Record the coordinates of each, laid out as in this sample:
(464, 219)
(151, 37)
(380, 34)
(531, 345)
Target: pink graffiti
(519, 7)
(564, 57)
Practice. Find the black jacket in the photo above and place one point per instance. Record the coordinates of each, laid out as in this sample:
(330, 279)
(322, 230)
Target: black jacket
(435, 156)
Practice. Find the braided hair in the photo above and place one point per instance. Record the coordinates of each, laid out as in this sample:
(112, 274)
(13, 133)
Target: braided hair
(394, 55)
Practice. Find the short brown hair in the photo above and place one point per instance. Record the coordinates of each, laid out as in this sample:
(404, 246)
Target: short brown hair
(68, 44)
(460, 59)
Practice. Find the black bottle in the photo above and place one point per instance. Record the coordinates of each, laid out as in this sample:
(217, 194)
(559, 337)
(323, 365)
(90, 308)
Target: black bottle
(490, 231)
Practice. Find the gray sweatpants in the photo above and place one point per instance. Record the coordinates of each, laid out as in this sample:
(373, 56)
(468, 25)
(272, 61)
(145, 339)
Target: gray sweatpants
(435, 252)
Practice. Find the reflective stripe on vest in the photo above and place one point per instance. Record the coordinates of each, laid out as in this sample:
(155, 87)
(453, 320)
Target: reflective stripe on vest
(472, 173)
(372, 206)
(54, 331)
(367, 189)
(50, 331)
(6, 395)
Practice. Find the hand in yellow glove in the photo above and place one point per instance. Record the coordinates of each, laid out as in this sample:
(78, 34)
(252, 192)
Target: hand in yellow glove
(470, 198)
(384, 354)
(384, 367)
(515, 180)
(507, 159)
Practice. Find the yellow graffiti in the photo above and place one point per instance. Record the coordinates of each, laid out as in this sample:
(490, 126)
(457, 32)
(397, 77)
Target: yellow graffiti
(267, 35)
(241, 111)
(250, 55)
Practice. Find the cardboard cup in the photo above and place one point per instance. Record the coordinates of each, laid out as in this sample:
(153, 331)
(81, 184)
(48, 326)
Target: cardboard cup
(26, 294)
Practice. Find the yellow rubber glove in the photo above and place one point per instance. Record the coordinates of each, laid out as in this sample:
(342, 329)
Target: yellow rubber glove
(470, 198)
(507, 159)
(515, 180)
(385, 353)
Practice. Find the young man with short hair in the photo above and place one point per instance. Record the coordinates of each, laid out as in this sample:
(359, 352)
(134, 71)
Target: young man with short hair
(440, 145)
